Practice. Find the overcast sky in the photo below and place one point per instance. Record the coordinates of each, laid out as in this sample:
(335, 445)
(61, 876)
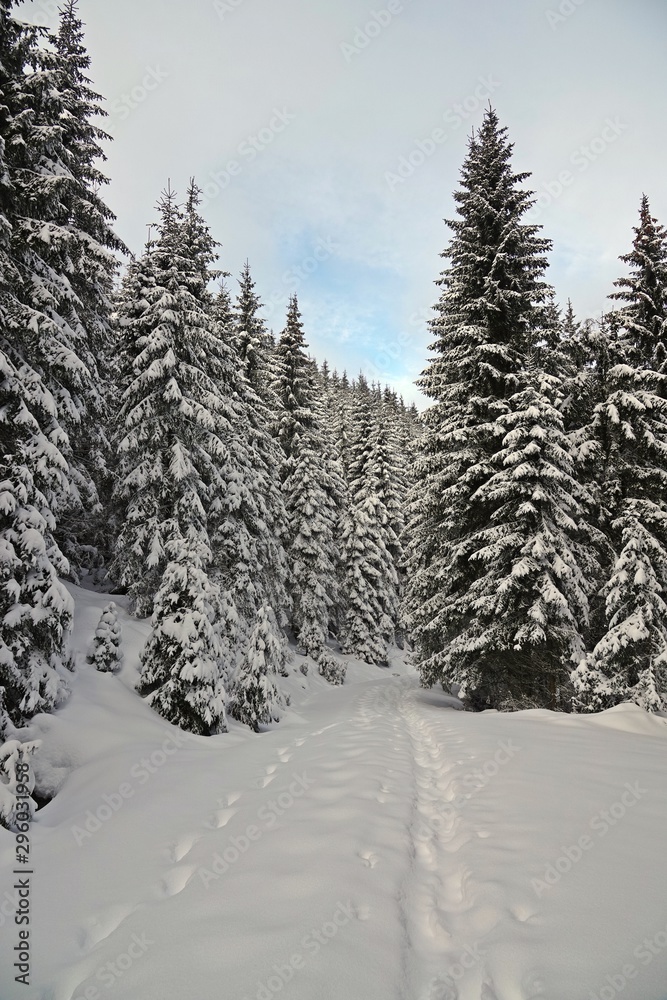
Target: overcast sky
(328, 136)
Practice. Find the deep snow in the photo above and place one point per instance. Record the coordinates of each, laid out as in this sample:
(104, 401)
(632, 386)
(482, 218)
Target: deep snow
(378, 843)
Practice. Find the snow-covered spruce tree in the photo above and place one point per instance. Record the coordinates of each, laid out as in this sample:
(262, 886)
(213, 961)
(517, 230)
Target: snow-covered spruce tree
(181, 675)
(371, 549)
(628, 435)
(62, 244)
(35, 608)
(527, 610)
(312, 488)
(92, 260)
(106, 653)
(643, 316)
(339, 404)
(255, 698)
(15, 808)
(253, 342)
(629, 663)
(172, 417)
(629, 660)
(245, 330)
(489, 317)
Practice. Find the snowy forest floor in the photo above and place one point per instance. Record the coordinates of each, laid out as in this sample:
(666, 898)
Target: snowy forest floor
(378, 843)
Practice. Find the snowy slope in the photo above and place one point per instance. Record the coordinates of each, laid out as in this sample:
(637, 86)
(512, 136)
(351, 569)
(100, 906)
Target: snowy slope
(376, 844)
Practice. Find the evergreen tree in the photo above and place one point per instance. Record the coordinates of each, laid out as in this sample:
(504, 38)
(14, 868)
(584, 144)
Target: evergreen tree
(627, 439)
(245, 331)
(253, 343)
(522, 620)
(255, 698)
(172, 415)
(371, 546)
(16, 809)
(628, 661)
(643, 317)
(490, 315)
(312, 487)
(62, 245)
(181, 675)
(106, 653)
(35, 475)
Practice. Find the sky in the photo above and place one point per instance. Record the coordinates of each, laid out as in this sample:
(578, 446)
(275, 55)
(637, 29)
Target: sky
(328, 135)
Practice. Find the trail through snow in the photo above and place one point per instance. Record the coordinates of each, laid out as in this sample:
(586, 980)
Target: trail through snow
(378, 843)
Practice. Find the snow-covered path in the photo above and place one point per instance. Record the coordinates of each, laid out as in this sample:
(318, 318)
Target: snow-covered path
(377, 844)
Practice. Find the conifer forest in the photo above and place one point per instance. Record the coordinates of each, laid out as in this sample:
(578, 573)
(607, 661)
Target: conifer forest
(202, 517)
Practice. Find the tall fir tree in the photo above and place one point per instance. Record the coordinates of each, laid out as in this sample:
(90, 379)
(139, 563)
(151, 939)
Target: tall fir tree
(643, 316)
(64, 247)
(312, 488)
(371, 547)
(36, 479)
(628, 435)
(492, 313)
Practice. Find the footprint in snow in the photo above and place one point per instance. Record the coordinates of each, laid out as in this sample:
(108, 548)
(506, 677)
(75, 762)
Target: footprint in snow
(219, 819)
(369, 858)
(263, 782)
(175, 881)
(442, 989)
(101, 926)
(181, 847)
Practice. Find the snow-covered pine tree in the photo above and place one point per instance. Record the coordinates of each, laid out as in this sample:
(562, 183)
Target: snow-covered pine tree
(171, 418)
(339, 404)
(522, 622)
(629, 436)
(643, 316)
(92, 260)
(63, 245)
(253, 343)
(371, 546)
(181, 662)
(312, 488)
(255, 698)
(14, 808)
(245, 331)
(106, 654)
(35, 608)
(629, 663)
(489, 316)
